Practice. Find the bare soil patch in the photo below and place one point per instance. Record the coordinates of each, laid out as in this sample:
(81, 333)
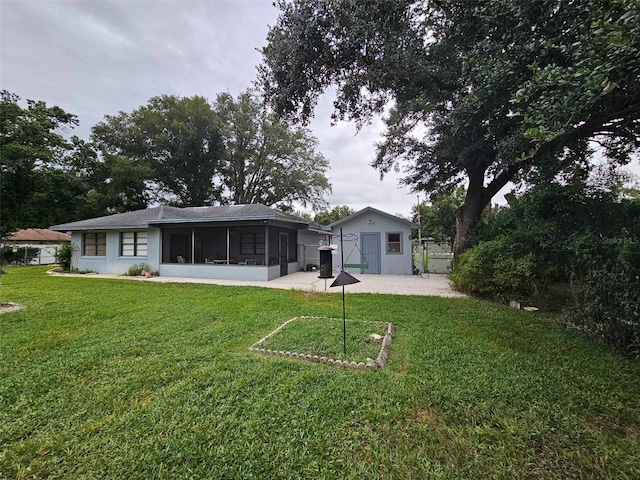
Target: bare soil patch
(10, 307)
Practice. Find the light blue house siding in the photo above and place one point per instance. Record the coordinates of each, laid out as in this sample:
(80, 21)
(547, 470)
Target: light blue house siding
(113, 262)
(377, 239)
(235, 242)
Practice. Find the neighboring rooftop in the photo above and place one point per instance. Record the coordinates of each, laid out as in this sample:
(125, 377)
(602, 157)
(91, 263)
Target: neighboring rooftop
(165, 214)
(38, 235)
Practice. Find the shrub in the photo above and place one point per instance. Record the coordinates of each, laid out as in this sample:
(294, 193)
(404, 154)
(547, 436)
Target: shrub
(490, 270)
(607, 298)
(138, 269)
(21, 256)
(585, 241)
(80, 272)
(63, 256)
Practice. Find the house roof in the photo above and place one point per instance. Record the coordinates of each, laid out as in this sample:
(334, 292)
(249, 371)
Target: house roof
(165, 214)
(372, 210)
(316, 228)
(38, 235)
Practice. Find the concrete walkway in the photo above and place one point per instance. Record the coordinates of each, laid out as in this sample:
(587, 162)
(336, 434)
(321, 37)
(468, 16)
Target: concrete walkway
(427, 284)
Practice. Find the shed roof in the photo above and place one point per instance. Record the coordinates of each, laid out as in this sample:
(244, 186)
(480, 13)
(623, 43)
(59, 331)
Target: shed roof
(38, 235)
(372, 210)
(166, 214)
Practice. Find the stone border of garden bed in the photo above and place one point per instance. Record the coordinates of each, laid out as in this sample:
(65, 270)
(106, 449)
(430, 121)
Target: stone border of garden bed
(381, 361)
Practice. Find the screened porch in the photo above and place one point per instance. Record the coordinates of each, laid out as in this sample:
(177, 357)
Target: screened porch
(230, 246)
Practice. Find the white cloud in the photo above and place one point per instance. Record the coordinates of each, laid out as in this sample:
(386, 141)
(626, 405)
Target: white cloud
(94, 58)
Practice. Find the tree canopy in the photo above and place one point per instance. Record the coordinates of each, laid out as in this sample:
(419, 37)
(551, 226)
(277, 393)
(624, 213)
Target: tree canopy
(183, 151)
(229, 151)
(438, 216)
(338, 212)
(34, 189)
(481, 92)
(265, 160)
(177, 139)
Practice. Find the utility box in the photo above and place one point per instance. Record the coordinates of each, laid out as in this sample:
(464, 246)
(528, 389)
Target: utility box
(326, 262)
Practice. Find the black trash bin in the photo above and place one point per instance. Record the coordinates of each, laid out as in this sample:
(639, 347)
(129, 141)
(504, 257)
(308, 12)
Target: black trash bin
(326, 262)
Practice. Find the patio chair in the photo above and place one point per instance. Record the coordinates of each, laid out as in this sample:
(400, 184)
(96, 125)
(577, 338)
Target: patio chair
(180, 259)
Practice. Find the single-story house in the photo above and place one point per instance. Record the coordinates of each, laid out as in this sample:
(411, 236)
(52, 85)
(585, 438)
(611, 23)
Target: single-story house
(375, 242)
(45, 241)
(233, 242)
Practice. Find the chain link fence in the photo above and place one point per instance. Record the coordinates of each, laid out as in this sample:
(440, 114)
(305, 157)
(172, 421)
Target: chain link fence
(29, 254)
(433, 257)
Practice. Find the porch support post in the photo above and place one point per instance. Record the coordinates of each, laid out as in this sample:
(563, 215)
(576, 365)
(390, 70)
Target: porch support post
(266, 245)
(193, 246)
(228, 241)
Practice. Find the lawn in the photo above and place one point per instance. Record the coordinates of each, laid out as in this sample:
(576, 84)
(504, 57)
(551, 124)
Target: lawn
(123, 379)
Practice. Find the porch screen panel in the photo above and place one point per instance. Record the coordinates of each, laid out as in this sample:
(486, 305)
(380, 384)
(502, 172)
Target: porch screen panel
(252, 243)
(260, 243)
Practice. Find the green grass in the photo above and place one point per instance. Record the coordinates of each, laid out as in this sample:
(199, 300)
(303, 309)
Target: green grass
(324, 337)
(124, 379)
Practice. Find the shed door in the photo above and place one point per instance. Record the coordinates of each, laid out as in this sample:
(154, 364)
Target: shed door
(371, 252)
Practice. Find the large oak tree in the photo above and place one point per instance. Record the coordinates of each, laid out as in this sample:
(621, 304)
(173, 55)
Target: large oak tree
(481, 92)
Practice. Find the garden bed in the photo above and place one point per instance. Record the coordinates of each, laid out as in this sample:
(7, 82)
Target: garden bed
(321, 340)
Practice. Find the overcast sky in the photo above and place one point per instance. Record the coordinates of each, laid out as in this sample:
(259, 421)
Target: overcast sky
(94, 58)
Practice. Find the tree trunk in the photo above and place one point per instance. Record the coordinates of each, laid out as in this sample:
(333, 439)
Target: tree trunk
(469, 212)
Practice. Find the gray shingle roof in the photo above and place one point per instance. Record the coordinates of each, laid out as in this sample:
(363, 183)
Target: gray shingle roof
(373, 210)
(166, 214)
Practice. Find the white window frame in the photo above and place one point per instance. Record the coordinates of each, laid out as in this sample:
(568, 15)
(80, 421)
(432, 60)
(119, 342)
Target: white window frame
(134, 243)
(388, 243)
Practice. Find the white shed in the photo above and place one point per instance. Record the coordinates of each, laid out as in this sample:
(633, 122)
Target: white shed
(374, 242)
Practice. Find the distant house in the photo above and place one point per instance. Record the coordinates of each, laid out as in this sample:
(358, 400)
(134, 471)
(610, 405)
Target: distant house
(234, 242)
(46, 241)
(375, 242)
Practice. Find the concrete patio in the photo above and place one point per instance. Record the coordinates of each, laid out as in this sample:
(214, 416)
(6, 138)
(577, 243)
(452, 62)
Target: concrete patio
(427, 284)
